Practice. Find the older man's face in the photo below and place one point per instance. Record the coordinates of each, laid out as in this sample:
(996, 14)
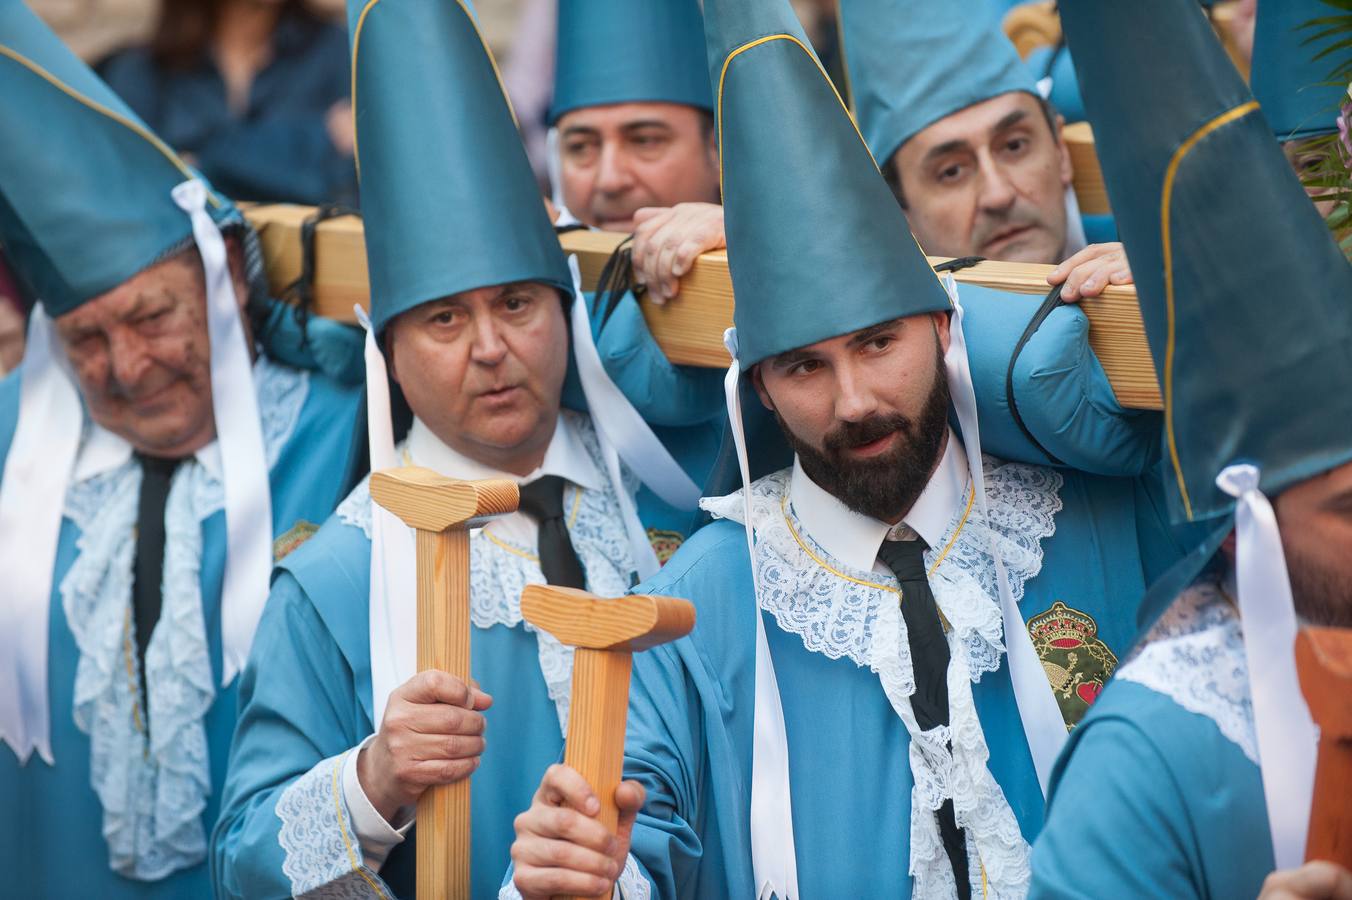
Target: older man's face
(618, 158)
(989, 180)
(141, 354)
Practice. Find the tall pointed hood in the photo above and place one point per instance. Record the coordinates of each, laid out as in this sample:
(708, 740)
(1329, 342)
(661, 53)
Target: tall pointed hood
(629, 51)
(1245, 300)
(448, 197)
(84, 185)
(914, 62)
(801, 194)
(1225, 246)
(1287, 79)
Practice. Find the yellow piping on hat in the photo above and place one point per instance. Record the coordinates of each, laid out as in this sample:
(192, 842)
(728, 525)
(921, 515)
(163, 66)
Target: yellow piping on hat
(136, 128)
(356, 43)
(1166, 197)
(722, 76)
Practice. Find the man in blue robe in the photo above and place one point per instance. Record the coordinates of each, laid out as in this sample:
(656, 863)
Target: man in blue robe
(324, 768)
(852, 715)
(157, 454)
(1199, 758)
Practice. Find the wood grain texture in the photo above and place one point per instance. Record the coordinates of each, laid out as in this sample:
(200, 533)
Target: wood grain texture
(606, 633)
(429, 501)
(690, 329)
(1087, 177)
(579, 619)
(1324, 661)
(443, 643)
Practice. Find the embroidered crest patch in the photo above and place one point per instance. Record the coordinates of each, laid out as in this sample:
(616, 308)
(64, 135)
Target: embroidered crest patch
(1078, 664)
(298, 534)
(664, 543)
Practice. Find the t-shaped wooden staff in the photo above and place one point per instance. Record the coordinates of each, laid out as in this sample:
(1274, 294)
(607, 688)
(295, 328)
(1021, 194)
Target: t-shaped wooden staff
(1324, 660)
(442, 510)
(606, 634)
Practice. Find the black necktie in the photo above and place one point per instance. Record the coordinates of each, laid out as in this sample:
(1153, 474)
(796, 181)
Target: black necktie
(542, 500)
(929, 660)
(148, 569)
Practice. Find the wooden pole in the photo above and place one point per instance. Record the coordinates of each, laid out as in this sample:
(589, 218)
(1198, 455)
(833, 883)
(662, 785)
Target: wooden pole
(442, 510)
(1324, 661)
(606, 634)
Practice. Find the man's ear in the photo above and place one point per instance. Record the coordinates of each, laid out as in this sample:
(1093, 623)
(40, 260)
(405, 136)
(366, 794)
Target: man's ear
(942, 324)
(759, 384)
(1067, 168)
(389, 351)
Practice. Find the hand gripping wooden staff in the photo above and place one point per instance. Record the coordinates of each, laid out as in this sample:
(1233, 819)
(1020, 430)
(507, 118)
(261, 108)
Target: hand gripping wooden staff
(1324, 661)
(442, 510)
(606, 634)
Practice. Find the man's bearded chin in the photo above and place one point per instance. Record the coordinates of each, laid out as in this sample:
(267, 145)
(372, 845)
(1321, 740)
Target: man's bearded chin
(1322, 592)
(886, 486)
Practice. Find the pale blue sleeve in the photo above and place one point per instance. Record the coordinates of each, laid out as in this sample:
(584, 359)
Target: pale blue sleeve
(1116, 825)
(284, 828)
(664, 393)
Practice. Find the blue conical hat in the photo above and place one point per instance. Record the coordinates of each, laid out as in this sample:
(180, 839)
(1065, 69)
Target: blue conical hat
(84, 185)
(1290, 83)
(914, 62)
(1226, 247)
(817, 246)
(448, 197)
(629, 51)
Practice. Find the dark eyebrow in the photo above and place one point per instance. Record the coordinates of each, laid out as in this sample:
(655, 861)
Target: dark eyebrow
(946, 148)
(867, 334)
(789, 358)
(580, 131)
(1009, 121)
(645, 123)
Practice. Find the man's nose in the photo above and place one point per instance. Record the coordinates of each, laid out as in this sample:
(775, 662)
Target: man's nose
(128, 358)
(612, 171)
(487, 347)
(996, 193)
(855, 399)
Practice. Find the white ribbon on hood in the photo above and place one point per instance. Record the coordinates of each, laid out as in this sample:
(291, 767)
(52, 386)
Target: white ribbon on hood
(1287, 736)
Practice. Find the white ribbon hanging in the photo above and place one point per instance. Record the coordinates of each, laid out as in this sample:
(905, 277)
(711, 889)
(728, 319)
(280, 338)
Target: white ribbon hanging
(239, 433)
(774, 860)
(1043, 725)
(32, 497)
(1287, 736)
(393, 588)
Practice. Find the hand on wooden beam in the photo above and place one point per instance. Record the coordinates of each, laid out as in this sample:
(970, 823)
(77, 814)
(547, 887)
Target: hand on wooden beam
(668, 240)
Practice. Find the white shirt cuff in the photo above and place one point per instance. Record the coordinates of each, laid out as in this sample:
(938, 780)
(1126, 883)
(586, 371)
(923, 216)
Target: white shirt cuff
(376, 836)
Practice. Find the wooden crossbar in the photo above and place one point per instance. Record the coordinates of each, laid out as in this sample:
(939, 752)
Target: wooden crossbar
(690, 329)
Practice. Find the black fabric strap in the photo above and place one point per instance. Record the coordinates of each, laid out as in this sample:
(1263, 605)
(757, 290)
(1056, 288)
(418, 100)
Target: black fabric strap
(1048, 306)
(157, 474)
(542, 500)
(929, 661)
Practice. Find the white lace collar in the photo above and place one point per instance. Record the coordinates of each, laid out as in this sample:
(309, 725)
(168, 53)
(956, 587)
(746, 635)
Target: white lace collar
(854, 538)
(846, 611)
(153, 786)
(1194, 655)
(500, 568)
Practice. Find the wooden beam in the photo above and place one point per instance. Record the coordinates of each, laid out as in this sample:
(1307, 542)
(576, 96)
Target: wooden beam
(1324, 664)
(690, 329)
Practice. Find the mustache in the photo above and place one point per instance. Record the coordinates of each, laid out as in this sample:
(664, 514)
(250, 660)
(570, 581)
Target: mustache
(848, 435)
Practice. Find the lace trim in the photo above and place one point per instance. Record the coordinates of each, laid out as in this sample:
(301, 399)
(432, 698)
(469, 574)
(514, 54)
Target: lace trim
(1194, 655)
(500, 570)
(323, 858)
(843, 612)
(153, 787)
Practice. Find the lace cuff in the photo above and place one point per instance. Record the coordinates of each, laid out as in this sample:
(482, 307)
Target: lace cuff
(376, 836)
(316, 836)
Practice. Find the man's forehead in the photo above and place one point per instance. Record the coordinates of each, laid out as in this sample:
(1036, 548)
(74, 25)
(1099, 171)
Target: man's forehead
(618, 116)
(841, 340)
(976, 123)
(176, 278)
